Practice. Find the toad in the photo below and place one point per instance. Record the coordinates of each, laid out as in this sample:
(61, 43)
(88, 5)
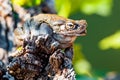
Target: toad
(58, 31)
(51, 33)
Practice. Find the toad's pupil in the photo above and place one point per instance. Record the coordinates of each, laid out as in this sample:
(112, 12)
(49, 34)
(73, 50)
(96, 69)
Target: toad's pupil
(70, 25)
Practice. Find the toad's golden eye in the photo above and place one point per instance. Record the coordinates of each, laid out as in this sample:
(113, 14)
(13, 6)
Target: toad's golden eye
(70, 26)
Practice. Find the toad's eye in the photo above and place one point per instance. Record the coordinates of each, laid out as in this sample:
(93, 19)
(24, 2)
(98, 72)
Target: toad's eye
(69, 26)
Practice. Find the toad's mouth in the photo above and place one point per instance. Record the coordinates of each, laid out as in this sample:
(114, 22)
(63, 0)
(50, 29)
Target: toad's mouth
(79, 32)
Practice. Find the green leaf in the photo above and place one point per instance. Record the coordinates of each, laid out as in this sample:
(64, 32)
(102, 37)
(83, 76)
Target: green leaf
(112, 41)
(27, 3)
(89, 7)
(100, 7)
(63, 7)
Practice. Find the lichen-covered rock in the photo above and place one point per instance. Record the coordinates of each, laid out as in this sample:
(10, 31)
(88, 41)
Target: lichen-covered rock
(29, 62)
(33, 62)
(28, 66)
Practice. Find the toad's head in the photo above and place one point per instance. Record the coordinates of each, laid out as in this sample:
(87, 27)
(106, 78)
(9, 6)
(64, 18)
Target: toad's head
(70, 27)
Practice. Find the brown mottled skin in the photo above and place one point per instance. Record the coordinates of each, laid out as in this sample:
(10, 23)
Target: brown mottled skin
(63, 30)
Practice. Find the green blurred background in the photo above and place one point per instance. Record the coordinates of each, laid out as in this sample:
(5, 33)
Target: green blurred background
(97, 53)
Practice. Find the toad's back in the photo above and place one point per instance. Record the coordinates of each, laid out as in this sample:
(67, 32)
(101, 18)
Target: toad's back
(49, 18)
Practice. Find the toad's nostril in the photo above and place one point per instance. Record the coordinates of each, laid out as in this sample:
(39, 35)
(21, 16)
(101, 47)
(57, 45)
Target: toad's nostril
(83, 22)
(82, 27)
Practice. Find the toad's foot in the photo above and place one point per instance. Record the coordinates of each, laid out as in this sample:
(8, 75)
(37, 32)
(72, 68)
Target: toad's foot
(41, 39)
(56, 60)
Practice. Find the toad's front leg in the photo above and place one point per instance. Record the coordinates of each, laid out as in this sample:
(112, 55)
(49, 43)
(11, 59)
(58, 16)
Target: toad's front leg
(45, 38)
(60, 59)
(56, 60)
(44, 33)
(61, 65)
